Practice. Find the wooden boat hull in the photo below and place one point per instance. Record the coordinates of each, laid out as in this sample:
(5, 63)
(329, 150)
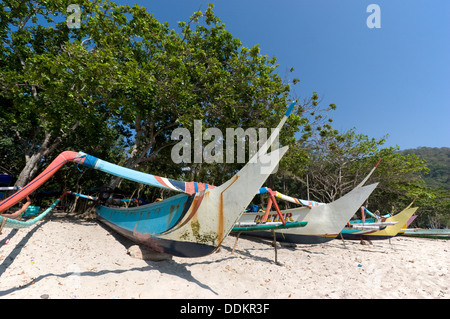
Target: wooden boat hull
(390, 231)
(324, 222)
(137, 224)
(293, 237)
(195, 225)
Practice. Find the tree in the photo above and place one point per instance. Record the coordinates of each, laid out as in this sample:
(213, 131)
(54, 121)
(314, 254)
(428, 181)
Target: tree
(54, 82)
(333, 163)
(124, 81)
(202, 73)
(336, 162)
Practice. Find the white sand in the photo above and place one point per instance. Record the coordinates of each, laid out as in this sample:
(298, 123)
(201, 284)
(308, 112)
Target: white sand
(68, 258)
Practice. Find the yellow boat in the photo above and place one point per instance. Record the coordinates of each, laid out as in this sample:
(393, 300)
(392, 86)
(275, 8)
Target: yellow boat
(395, 226)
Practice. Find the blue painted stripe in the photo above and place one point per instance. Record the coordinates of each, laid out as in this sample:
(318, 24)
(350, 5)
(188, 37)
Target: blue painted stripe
(289, 110)
(178, 184)
(89, 161)
(127, 173)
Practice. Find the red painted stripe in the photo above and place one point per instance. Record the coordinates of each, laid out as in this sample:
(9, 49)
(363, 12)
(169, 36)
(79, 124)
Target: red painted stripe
(51, 169)
(161, 181)
(190, 188)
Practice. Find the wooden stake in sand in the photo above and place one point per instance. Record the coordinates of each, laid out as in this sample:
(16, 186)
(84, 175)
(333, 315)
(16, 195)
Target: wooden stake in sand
(3, 224)
(275, 246)
(343, 240)
(236, 241)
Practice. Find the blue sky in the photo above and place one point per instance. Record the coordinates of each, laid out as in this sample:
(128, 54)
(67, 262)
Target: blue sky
(392, 80)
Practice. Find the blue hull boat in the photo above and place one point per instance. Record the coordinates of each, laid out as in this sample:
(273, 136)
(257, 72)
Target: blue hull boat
(191, 224)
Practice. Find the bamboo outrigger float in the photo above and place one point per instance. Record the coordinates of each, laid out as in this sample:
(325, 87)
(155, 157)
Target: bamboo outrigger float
(191, 224)
(427, 233)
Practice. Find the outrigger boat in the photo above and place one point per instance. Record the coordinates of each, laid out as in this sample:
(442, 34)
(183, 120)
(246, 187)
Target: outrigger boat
(321, 222)
(438, 233)
(366, 226)
(191, 224)
(392, 225)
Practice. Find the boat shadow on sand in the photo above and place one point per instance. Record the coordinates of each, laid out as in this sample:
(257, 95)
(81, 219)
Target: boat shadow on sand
(168, 267)
(175, 271)
(350, 246)
(8, 260)
(253, 252)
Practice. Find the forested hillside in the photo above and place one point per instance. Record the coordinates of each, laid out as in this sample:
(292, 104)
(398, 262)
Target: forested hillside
(438, 161)
(435, 208)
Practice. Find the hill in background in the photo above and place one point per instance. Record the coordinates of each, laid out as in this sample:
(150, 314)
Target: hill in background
(438, 161)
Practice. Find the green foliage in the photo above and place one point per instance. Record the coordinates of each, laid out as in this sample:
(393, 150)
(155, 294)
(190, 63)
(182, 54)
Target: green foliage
(54, 83)
(438, 162)
(435, 206)
(334, 163)
(125, 81)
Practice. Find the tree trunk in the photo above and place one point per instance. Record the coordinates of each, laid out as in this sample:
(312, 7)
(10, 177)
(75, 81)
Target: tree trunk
(30, 169)
(32, 162)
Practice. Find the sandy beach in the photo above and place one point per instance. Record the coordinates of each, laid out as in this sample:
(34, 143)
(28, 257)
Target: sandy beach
(71, 258)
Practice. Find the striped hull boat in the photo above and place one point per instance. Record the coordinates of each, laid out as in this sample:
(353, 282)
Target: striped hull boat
(194, 225)
(191, 224)
(146, 224)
